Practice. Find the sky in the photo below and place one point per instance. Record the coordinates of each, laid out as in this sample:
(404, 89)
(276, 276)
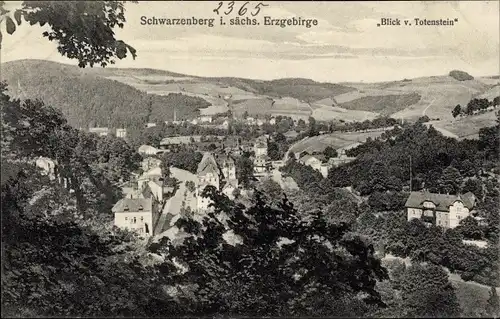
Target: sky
(346, 45)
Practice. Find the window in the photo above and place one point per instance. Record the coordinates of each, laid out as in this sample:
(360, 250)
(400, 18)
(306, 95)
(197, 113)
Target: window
(135, 221)
(459, 217)
(142, 218)
(439, 222)
(126, 218)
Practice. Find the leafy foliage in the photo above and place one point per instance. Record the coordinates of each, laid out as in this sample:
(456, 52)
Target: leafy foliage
(426, 292)
(244, 169)
(83, 31)
(383, 164)
(279, 266)
(184, 159)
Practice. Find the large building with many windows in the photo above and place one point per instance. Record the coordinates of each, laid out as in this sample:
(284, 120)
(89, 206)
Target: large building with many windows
(440, 209)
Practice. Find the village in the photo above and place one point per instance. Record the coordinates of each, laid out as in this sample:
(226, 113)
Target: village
(150, 206)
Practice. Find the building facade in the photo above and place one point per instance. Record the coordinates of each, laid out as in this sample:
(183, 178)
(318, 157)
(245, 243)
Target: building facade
(136, 214)
(121, 132)
(442, 210)
(208, 173)
(260, 146)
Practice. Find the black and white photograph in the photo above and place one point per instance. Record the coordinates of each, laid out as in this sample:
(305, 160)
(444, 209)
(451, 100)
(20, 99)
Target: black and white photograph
(250, 159)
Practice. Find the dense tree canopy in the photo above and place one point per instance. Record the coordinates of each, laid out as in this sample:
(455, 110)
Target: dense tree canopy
(426, 292)
(279, 265)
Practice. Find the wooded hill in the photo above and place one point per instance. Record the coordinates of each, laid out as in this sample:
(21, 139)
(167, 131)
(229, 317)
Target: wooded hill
(87, 99)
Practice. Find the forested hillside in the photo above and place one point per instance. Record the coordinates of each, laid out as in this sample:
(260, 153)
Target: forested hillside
(87, 99)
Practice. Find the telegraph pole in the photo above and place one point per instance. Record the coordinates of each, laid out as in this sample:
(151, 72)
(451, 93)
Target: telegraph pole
(410, 176)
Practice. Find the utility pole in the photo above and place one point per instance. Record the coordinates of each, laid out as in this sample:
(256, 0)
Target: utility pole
(410, 176)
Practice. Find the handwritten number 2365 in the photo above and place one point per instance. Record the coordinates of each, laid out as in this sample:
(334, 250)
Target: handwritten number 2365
(241, 11)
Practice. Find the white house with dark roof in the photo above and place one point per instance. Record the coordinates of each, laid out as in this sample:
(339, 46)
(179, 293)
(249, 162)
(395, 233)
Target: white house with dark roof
(147, 150)
(136, 214)
(440, 209)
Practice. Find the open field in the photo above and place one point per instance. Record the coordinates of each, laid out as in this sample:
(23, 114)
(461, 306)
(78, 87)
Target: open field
(438, 96)
(335, 140)
(254, 107)
(468, 127)
(292, 107)
(328, 113)
(491, 93)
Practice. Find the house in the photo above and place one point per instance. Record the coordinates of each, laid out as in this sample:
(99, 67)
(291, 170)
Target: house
(440, 209)
(148, 125)
(176, 141)
(153, 174)
(260, 122)
(121, 132)
(313, 161)
(101, 131)
(47, 165)
(208, 173)
(272, 121)
(205, 119)
(341, 159)
(136, 214)
(324, 168)
(147, 150)
(260, 146)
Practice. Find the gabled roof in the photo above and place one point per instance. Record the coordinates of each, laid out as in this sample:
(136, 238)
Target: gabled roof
(154, 172)
(207, 165)
(132, 205)
(442, 201)
(146, 148)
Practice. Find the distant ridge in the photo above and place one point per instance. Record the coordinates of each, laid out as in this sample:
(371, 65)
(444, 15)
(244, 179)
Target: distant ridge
(131, 97)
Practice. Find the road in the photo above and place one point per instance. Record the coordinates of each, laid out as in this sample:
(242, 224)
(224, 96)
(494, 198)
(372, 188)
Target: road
(430, 104)
(174, 204)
